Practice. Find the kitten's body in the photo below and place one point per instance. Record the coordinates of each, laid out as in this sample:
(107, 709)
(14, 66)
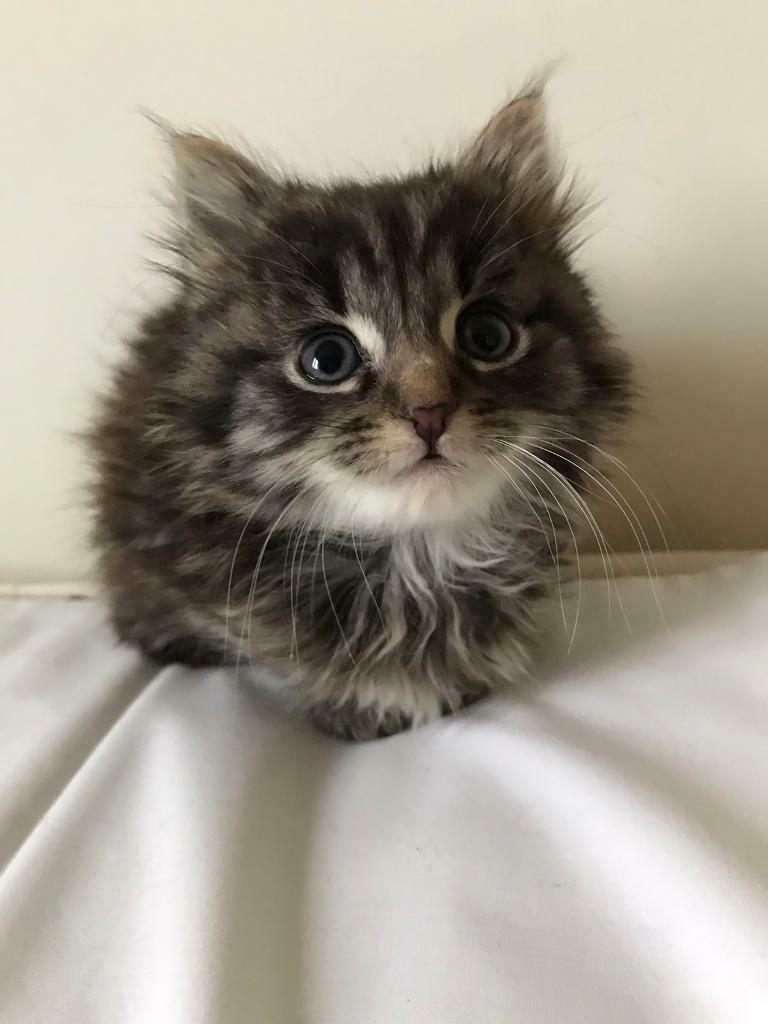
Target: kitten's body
(247, 512)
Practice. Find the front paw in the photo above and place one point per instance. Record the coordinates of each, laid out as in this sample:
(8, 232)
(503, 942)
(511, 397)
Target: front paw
(348, 722)
(182, 650)
(413, 707)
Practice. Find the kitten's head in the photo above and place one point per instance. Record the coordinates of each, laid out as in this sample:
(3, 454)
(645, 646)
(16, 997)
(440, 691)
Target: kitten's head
(380, 346)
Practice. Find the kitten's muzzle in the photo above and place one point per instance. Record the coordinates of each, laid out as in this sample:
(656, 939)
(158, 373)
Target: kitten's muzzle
(430, 421)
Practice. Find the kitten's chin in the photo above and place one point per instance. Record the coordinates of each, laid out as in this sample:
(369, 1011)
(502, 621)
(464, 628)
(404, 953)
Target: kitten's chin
(428, 492)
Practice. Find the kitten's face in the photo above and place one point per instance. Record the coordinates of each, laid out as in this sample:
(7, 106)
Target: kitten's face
(381, 347)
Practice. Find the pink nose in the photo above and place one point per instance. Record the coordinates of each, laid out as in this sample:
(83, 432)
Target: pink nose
(430, 421)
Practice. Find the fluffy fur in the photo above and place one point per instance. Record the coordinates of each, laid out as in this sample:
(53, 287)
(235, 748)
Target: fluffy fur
(244, 513)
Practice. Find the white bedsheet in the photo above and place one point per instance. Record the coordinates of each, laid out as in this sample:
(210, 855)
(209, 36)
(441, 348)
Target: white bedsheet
(177, 851)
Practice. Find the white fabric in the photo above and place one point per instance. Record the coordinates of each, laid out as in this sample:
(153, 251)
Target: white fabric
(177, 851)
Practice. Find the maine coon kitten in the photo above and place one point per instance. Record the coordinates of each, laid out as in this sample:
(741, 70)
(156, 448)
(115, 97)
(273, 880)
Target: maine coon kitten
(346, 447)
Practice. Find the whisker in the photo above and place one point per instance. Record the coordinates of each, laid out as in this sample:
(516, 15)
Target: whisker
(303, 527)
(604, 548)
(314, 576)
(288, 545)
(515, 245)
(365, 577)
(475, 222)
(330, 599)
(282, 238)
(487, 221)
(613, 493)
(518, 210)
(309, 523)
(248, 522)
(554, 553)
(247, 623)
(282, 266)
(621, 466)
(598, 533)
(525, 470)
(637, 535)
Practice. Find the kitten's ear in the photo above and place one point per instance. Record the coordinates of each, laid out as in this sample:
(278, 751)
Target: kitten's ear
(515, 143)
(218, 189)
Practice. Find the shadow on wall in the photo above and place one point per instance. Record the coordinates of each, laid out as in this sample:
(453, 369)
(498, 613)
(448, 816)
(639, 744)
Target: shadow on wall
(692, 453)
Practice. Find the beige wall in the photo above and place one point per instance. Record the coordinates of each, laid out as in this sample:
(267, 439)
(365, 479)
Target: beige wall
(662, 103)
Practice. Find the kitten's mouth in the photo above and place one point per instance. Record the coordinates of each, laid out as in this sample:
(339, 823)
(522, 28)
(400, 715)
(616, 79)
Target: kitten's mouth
(430, 464)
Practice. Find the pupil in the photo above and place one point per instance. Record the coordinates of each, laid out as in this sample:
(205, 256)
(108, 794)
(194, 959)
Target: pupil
(328, 359)
(485, 338)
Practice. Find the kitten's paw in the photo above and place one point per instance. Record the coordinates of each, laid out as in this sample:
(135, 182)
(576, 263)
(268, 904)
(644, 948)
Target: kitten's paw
(186, 650)
(468, 699)
(349, 722)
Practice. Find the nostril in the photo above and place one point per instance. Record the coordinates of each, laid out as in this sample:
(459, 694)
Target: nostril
(430, 421)
(429, 430)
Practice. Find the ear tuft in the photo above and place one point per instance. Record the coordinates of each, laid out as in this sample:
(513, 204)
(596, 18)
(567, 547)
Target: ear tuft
(216, 187)
(212, 176)
(515, 143)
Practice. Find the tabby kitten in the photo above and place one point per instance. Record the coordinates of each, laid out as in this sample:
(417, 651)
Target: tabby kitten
(346, 448)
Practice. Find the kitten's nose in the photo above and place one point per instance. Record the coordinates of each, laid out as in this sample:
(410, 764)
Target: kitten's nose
(430, 421)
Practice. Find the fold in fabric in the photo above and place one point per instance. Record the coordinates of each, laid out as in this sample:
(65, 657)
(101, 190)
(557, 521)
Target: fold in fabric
(176, 850)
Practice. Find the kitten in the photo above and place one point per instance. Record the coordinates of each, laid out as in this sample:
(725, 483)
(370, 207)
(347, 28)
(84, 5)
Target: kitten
(346, 447)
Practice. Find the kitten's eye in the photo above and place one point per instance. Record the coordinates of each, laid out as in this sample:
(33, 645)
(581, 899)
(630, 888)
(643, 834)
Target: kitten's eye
(482, 333)
(329, 357)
